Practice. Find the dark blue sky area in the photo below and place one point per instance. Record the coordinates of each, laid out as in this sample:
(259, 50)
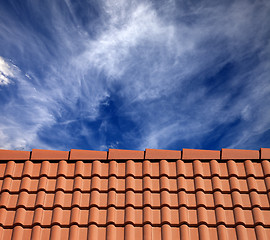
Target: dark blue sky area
(134, 74)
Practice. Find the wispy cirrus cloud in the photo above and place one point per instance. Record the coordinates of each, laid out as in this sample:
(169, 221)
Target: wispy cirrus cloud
(136, 75)
(7, 71)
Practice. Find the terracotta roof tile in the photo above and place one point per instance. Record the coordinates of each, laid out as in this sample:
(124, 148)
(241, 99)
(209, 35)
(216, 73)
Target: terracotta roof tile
(39, 154)
(162, 154)
(200, 154)
(14, 155)
(87, 155)
(125, 154)
(156, 196)
(239, 154)
(265, 153)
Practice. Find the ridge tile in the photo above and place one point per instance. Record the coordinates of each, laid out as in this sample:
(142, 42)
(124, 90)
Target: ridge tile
(192, 154)
(76, 154)
(14, 155)
(40, 154)
(125, 154)
(162, 154)
(265, 153)
(239, 154)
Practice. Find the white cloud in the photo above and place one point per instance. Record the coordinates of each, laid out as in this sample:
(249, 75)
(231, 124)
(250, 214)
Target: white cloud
(7, 71)
(127, 27)
(4, 80)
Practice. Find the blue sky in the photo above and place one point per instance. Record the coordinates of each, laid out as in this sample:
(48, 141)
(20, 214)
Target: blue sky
(134, 74)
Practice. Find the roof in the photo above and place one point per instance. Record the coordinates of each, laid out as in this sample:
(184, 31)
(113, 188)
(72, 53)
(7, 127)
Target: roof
(126, 194)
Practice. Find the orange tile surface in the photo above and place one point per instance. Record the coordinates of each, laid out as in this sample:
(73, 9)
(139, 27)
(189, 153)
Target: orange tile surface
(14, 155)
(87, 155)
(125, 154)
(239, 154)
(40, 154)
(134, 194)
(162, 154)
(265, 153)
(200, 154)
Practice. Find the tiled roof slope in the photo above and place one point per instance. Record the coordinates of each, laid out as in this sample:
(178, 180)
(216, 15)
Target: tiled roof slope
(122, 194)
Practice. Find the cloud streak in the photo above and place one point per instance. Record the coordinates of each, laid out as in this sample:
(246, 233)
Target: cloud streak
(7, 72)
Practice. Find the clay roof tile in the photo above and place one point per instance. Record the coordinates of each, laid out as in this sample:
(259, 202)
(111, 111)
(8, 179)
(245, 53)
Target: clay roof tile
(125, 154)
(128, 194)
(14, 155)
(239, 154)
(40, 154)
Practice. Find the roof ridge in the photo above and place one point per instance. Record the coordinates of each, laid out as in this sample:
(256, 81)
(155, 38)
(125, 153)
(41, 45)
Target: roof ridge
(148, 154)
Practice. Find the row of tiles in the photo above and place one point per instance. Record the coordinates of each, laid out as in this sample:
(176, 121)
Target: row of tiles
(185, 154)
(137, 169)
(136, 184)
(147, 232)
(137, 217)
(138, 200)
